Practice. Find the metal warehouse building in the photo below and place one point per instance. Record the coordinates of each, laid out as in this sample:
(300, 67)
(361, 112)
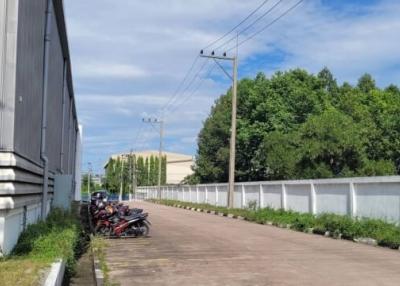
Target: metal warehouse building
(39, 131)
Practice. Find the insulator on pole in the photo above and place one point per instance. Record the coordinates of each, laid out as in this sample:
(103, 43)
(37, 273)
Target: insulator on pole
(212, 53)
(201, 52)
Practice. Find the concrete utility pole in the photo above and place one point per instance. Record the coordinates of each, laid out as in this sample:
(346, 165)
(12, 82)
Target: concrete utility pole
(232, 149)
(161, 123)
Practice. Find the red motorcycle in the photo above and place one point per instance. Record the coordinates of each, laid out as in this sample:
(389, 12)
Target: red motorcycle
(117, 225)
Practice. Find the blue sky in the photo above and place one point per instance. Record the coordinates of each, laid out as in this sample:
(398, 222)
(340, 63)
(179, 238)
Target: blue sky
(129, 56)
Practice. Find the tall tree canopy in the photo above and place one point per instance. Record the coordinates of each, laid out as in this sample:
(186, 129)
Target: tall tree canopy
(299, 125)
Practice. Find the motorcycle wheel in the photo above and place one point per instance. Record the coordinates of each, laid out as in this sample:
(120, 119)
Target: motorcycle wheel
(102, 230)
(144, 228)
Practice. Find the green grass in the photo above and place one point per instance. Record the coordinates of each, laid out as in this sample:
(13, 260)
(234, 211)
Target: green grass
(346, 227)
(60, 236)
(98, 244)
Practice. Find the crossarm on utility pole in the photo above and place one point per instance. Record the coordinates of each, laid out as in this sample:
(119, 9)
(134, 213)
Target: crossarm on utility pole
(222, 68)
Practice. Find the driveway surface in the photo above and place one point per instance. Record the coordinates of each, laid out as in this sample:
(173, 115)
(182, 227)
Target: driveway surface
(192, 248)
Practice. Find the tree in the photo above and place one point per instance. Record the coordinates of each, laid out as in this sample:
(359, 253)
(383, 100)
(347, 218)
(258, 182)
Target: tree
(84, 185)
(141, 171)
(164, 170)
(298, 125)
(152, 172)
(146, 177)
(366, 83)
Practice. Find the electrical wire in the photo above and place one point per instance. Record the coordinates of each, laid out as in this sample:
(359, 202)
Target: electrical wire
(189, 84)
(181, 83)
(266, 27)
(237, 26)
(249, 26)
(185, 99)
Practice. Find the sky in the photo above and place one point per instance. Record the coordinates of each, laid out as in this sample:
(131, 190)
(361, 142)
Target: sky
(129, 58)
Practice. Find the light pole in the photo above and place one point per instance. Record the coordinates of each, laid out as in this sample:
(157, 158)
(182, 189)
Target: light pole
(161, 123)
(232, 149)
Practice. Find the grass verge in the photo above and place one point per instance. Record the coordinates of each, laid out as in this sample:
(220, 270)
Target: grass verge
(60, 236)
(338, 226)
(98, 245)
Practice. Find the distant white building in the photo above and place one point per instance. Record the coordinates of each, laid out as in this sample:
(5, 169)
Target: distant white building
(178, 165)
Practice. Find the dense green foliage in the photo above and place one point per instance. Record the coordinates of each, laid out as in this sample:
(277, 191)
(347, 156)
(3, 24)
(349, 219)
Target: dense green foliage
(297, 125)
(60, 236)
(384, 233)
(84, 184)
(146, 171)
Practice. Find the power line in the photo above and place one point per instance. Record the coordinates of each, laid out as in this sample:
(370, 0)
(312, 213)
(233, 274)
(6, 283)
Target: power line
(189, 85)
(137, 135)
(181, 83)
(267, 26)
(185, 99)
(176, 93)
(249, 26)
(238, 25)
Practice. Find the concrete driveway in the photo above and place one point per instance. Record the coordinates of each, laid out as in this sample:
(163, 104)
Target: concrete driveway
(191, 248)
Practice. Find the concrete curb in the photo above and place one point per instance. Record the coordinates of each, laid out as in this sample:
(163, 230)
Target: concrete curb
(98, 273)
(56, 274)
(366, 240)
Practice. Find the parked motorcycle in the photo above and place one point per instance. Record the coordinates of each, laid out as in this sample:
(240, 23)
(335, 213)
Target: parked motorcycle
(134, 225)
(113, 219)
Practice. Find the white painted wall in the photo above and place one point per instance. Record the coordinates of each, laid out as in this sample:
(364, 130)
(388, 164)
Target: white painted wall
(372, 197)
(12, 224)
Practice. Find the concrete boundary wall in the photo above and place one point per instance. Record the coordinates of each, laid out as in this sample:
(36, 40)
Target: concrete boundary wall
(371, 197)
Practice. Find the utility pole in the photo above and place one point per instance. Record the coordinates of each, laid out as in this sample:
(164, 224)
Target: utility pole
(153, 121)
(232, 148)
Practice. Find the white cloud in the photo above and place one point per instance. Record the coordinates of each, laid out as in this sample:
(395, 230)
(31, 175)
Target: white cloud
(129, 56)
(109, 70)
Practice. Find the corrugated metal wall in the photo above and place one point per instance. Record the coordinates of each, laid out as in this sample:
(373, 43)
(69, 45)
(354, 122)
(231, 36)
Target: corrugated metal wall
(29, 92)
(28, 112)
(54, 104)
(67, 119)
(8, 44)
(3, 19)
